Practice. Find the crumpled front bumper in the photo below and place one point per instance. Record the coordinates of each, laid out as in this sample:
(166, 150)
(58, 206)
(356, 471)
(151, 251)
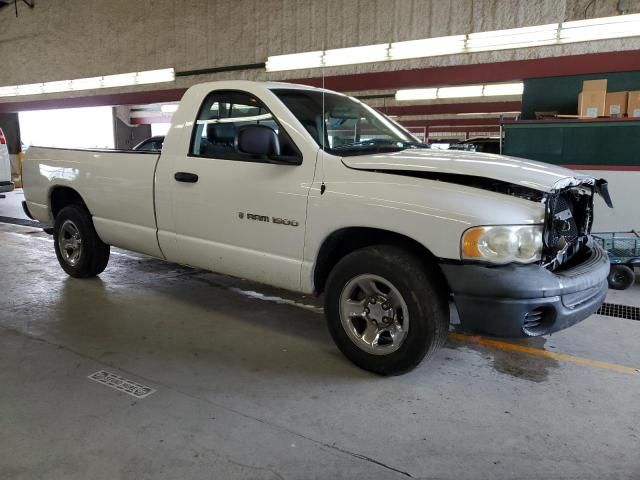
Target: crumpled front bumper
(528, 300)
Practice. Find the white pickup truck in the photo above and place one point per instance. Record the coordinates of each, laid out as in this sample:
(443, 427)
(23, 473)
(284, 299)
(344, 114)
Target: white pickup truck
(313, 191)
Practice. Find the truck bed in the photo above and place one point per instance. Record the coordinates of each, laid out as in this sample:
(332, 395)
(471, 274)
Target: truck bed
(116, 185)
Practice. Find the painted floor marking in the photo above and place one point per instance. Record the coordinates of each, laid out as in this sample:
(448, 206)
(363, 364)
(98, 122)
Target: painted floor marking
(122, 384)
(565, 357)
(476, 339)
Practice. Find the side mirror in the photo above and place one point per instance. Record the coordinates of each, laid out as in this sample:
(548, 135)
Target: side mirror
(258, 140)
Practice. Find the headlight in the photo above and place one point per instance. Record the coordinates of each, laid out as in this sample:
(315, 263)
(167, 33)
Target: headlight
(503, 243)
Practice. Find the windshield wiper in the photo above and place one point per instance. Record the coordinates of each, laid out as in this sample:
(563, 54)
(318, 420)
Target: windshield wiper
(379, 142)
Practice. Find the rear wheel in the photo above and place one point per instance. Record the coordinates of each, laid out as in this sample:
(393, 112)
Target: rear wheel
(621, 277)
(80, 251)
(385, 311)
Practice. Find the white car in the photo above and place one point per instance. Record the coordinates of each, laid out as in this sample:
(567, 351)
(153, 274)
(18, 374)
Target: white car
(6, 185)
(313, 191)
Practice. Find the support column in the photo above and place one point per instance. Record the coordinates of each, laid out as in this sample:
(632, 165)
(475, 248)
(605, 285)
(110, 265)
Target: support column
(11, 129)
(127, 136)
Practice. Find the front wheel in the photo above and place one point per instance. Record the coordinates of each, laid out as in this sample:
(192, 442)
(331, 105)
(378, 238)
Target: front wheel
(80, 251)
(385, 310)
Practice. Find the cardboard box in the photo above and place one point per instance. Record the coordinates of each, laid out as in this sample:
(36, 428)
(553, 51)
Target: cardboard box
(633, 104)
(616, 104)
(592, 99)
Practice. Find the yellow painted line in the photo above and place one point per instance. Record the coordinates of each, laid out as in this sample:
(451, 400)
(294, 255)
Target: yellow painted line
(564, 357)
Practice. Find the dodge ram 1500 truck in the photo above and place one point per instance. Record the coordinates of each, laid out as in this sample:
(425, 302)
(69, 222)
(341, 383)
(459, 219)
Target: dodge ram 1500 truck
(313, 191)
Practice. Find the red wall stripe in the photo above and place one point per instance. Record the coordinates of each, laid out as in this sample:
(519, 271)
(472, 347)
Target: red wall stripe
(482, 73)
(467, 129)
(469, 122)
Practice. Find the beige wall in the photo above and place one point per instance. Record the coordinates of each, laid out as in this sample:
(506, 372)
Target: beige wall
(63, 39)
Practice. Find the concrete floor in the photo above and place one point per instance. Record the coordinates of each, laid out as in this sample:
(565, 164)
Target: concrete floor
(250, 386)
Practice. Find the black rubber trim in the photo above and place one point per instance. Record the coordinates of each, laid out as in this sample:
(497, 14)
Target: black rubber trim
(26, 211)
(228, 68)
(4, 184)
(101, 150)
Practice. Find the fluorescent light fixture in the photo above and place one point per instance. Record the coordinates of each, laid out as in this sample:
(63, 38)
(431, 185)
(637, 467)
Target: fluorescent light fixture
(30, 89)
(464, 91)
(294, 61)
(8, 91)
(120, 80)
(52, 87)
(169, 108)
(353, 55)
(417, 94)
(154, 76)
(600, 28)
(498, 89)
(513, 38)
(428, 47)
(107, 81)
(620, 26)
(86, 83)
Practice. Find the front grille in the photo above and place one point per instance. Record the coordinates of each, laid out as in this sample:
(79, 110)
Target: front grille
(567, 225)
(564, 226)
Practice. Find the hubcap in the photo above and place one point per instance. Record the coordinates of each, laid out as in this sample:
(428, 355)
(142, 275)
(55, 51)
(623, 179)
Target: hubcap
(374, 314)
(70, 243)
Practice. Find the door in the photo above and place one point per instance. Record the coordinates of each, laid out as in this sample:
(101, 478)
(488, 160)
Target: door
(236, 213)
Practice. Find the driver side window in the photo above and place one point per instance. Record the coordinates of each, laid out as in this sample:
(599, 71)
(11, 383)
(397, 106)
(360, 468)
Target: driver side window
(222, 115)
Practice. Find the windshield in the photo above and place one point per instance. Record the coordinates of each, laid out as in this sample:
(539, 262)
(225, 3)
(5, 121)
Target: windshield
(350, 127)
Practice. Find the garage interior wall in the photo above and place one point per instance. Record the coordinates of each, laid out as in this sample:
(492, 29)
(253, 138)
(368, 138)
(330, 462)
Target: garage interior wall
(123, 36)
(128, 136)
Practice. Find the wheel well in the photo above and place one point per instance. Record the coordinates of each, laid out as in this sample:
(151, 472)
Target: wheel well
(62, 197)
(347, 240)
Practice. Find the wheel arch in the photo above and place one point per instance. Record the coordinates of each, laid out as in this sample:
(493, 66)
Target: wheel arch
(349, 239)
(62, 196)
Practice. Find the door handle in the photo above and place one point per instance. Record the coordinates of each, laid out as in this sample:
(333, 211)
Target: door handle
(186, 177)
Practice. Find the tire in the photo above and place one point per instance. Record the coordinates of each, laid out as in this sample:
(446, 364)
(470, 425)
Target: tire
(85, 258)
(411, 324)
(621, 277)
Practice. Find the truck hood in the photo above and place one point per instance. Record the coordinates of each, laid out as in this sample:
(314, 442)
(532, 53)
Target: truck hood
(445, 164)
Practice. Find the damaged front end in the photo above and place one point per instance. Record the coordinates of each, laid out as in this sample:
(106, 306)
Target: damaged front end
(568, 220)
